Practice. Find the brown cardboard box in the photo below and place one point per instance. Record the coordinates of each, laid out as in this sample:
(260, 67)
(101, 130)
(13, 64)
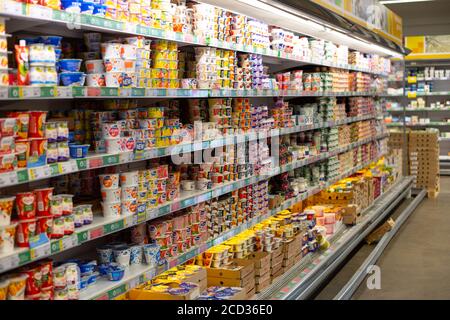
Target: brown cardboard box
(139, 294)
(236, 270)
(199, 278)
(261, 271)
(229, 282)
(378, 233)
(292, 247)
(251, 293)
(275, 268)
(262, 278)
(263, 285)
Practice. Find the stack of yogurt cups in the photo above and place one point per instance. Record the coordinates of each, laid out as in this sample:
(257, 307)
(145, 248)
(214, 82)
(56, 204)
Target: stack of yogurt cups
(117, 200)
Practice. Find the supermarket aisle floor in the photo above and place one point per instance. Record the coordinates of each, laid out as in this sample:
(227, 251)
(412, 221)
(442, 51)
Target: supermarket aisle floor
(416, 263)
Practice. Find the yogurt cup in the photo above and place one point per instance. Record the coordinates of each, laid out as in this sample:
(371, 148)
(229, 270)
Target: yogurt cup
(109, 181)
(136, 254)
(94, 66)
(122, 256)
(26, 205)
(130, 178)
(7, 236)
(113, 145)
(129, 192)
(111, 50)
(112, 209)
(6, 208)
(111, 130)
(202, 184)
(111, 195)
(114, 79)
(188, 185)
(129, 206)
(3, 289)
(114, 65)
(25, 230)
(128, 52)
(95, 80)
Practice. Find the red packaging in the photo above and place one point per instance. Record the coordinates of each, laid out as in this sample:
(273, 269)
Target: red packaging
(47, 274)
(33, 287)
(25, 230)
(43, 197)
(26, 205)
(8, 127)
(36, 124)
(47, 293)
(44, 225)
(23, 119)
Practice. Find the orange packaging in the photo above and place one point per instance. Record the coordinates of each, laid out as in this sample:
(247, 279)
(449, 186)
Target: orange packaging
(23, 119)
(16, 287)
(36, 127)
(22, 148)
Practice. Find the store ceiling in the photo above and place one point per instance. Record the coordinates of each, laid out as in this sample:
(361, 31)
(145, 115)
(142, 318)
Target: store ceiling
(424, 18)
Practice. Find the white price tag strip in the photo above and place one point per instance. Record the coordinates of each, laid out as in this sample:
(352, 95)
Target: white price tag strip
(8, 178)
(40, 12)
(69, 242)
(43, 250)
(39, 173)
(66, 167)
(3, 92)
(12, 7)
(133, 283)
(64, 92)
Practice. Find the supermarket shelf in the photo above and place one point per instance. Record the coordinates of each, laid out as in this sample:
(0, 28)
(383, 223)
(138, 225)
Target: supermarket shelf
(303, 278)
(103, 226)
(420, 79)
(13, 9)
(11, 93)
(95, 161)
(431, 124)
(418, 109)
(418, 94)
(444, 139)
(106, 290)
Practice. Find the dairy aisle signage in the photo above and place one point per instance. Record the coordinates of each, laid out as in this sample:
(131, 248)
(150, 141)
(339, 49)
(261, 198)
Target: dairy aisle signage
(369, 14)
(428, 47)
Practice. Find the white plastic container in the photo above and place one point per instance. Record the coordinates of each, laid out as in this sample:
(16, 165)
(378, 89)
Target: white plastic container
(109, 181)
(111, 195)
(129, 178)
(129, 206)
(129, 192)
(113, 79)
(113, 145)
(94, 66)
(95, 80)
(112, 209)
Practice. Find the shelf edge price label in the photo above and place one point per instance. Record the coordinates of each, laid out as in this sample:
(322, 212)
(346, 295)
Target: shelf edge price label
(412, 94)
(412, 79)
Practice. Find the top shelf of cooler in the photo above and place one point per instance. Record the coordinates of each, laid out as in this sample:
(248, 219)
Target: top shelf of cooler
(73, 21)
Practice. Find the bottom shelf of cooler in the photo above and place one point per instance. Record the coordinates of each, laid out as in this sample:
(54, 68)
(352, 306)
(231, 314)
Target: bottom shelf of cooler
(302, 279)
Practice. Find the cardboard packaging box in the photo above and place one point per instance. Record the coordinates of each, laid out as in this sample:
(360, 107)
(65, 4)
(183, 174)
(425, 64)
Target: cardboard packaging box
(238, 274)
(139, 294)
(378, 233)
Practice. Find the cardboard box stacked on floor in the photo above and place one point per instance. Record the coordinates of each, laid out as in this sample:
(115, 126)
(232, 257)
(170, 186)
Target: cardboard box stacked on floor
(424, 158)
